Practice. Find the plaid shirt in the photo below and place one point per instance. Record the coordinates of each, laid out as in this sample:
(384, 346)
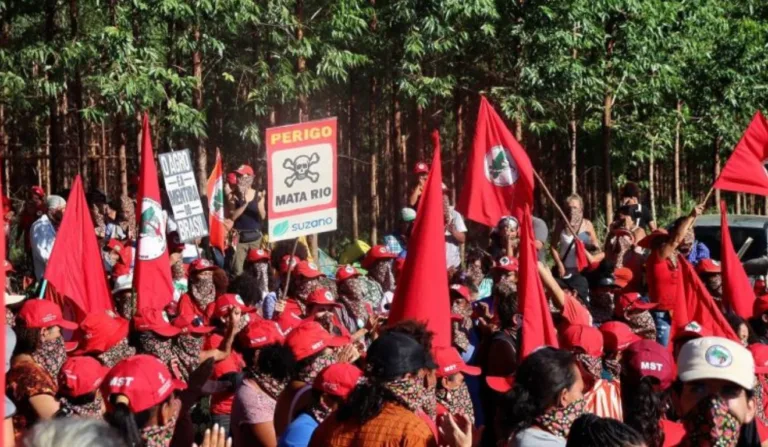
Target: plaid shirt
(394, 243)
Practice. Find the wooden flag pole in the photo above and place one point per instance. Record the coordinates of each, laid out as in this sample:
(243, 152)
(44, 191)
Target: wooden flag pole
(554, 202)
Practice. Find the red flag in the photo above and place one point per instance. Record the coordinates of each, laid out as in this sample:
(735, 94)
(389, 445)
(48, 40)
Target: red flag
(152, 276)
(76, 268)
(215, 192)
(738, 294)
(698, 305)
(538, 328)
(422, 288)
(745, 170)
(499, 177)
(581, 254)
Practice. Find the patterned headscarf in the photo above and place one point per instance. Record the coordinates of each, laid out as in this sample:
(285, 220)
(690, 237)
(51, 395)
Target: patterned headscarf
(186, 348)
(460, 329)
(128, 221)
(302, 287)
(362, 289)
(457, 401)
(382, 273)
(592, 365)
(203, 290)
(642, 324)
(409, 392)
(244, 183)
(113, 355)
(558, 421)
(352, 293)
(162, 348)
(92, 410)
(158, 435)
(310, 371)
(261, 273)
(51, 355)
(710, 423)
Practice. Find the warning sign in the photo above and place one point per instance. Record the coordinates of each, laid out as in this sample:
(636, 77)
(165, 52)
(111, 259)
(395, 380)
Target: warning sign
(180, 184)
(301, 173)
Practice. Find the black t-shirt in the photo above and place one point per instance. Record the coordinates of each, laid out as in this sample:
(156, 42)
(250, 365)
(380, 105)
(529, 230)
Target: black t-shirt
(642, 215)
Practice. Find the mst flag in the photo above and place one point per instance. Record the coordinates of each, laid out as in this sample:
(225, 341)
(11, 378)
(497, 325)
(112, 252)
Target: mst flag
(75, 269)
(738, 293)
(152, 271)
(499, 177)
(746, 170)
(422, 288)
(215, 193)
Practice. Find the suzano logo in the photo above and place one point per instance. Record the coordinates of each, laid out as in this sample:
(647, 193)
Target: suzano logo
(311, 224)
(281, 228)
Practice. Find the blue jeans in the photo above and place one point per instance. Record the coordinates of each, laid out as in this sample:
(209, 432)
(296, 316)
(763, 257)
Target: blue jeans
(662, 321)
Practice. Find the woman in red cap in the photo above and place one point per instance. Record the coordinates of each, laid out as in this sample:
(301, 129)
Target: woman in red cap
(79, 381)
(105, 336)
(155, 335)
(359, 294)
(379, 261)
(451, 391)
(247, 211)
(40, 352)
(202, 290)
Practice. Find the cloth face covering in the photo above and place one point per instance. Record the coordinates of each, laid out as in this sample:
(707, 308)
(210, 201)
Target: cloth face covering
(457, 401)
(382, 273)
(710, 424)
(119, 351)
(51, 355)
(558, 421)
(310, 372)
(203, 290)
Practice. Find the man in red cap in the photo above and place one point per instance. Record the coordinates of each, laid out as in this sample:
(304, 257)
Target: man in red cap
(79, 382)
(452, 393)
(202, 290)
(420, 172)
(711, 275)
(329, 391)
(248, 212)
(104, 335)
(631, 308)
(379, 261)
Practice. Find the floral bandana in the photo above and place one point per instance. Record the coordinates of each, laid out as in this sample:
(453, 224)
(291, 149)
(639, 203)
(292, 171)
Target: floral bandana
(592, 365)
(244, 183)
(161, 348)
(203, 291)
(302, 288)
(381, 272)
(309, 372)
(710, 424)
(407, 392)
(267, 383)
(457, 401)
(459, 329)
(158, 436)
(761, 388)
(128, 222)
(51, 355)
(261, 273)
(92, 410)
(113, 355)
(177, 270)
(187, 349)
(362, 289)
(613, 366)
(352, 294)
(558, 421)
(319, 411)
(642, 324)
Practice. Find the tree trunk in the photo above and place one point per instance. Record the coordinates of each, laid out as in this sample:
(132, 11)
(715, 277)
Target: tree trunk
(77, 93)
(303, 102)
(652, 183)
(739, 199)
(607, 184)
(718, 143)
(678, 199)
(401, 178)
(458, 163)
(574, 152)
(374, 200)
(352, 139)
(201, 156)
(54, 148)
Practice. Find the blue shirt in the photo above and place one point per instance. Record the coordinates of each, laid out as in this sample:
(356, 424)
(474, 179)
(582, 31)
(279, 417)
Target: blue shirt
(299, 432)
(698, 252)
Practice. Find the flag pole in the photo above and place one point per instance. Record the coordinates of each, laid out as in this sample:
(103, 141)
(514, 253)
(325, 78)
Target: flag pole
(554, 202)
(290, 269)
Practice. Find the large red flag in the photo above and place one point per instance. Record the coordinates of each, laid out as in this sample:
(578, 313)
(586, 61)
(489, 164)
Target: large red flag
(698, 305)
(152, 273)
(745, 170)
(538, 327)
(499, 177)
(76, 268)
(215, 191)
(738, 293)
(422, 287)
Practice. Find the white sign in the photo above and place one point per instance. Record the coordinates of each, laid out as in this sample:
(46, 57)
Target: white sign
(181, 187)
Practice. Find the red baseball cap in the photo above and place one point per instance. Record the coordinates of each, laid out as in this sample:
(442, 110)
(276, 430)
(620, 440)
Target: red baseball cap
(143, 379)
(155, 320)
(507, 264)
(257, 254)
(322, 296)
(114, 244)
(376, 253)
(449, 362)
(225, 302)
(338, 379)
(174, 243)
(190, 323)
(708, 266)
(100, 331)
(310, 337)
(38, 191)
(760, 306)
(693, 330)
(244, 170)
(617, 336)
(631, 301)
(232, 178)
(288, 263)
(421, 168)
(308, 270)
(622, 276)
(460, 291)
(345, 272)
(500, 384)
(760, 355)
(655, 235)
(646, 358)
(200, 265)
(261, 333)
(81, 375)
(39, 313)
(588, 338)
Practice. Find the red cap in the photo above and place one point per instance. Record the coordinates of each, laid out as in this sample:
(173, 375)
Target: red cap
(760, 354)
(38, 314)
(708, 266)
(588, 338)
(628, 302)
(345, 272)
(694, 330)
(232, 178)
(760, 306)
(646, 358)
(174, 243)
(622, 276)
(500, 384)
(81, 375)
(655, 235)
(8, 266)
(617, 336)
(309, 338)
(377, 252)
(338, 379)
(257, 254)
(225, 302)
(244, 170)
(38, 191)
(155, 320)
(101, 330)
(200, 265)
(461, 291)
(449, 362)
(190, 323)
(308, 270)
(759, 287)
(322, 296)
(143, 379)
(261, 333)
(507, 264)
(114, 244)
(421, 168)
(288, 263)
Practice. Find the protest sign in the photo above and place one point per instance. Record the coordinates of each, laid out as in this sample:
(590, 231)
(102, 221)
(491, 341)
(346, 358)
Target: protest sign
(181, 187)
(301, 177)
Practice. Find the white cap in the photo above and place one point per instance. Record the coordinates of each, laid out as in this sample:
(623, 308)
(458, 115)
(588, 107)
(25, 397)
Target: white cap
(54, 202)
(13, 299)
(123, 283)
(716, 358)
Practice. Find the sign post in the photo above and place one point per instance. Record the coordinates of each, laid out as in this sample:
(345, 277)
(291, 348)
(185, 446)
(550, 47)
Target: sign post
(181, 187)
(301, 177)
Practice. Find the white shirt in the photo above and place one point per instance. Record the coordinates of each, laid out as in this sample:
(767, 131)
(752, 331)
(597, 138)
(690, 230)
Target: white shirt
(42, 235)
(452, 247)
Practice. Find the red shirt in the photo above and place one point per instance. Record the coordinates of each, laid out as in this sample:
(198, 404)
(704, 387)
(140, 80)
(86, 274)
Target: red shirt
(674, 433)
(575, 312)
(187, 306)
(221, 403)
(290, 317)
(664, 281)
(604, 400)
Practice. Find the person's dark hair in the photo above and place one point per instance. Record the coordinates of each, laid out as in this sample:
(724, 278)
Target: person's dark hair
(475, 254)
(247, 286)
(735, 321)
(643, 408)
(26, 338)
(277, 360)
(630, 189)
(220, 281)
(539, 380)
(593, 431)
(129, 424)
(626, 210)
(416, 330)
(506, 303)
(285, 248)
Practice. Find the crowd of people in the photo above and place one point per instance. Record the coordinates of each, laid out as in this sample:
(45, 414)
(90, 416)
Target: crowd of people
(261, 347)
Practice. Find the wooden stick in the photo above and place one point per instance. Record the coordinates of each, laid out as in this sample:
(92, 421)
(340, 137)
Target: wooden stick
(709, 194)
(554, 202)
(290, 269)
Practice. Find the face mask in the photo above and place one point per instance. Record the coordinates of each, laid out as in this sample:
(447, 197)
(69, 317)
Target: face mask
(310, 372)
(711, 424)
(244, 183)
(410, 393)
(51, 355)
(590, 364)
(92, 410)
(382, 273)
(187, 349)
(113, 355)
(456, 401)
(161, 348)
(204, 291)
(642, 324)
(558, 421)
(159, 436)
(613, 366)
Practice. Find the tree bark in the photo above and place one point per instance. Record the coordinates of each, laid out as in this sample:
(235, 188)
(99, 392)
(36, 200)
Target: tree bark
(651, 179)
(574, 152)
(77, 93)
(201, 156)
(678, 199)
(607, 179)
(718, 143)
(54, 147)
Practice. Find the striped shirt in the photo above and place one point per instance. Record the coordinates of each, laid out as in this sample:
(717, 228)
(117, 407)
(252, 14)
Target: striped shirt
(604, 400)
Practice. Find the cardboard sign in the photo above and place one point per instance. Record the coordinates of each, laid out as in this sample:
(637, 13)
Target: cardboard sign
(301, 174)
(180, 184)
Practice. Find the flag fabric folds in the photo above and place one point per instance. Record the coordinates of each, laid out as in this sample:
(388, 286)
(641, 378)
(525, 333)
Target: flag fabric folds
(738, 294)
(745, 170)
(215, 193)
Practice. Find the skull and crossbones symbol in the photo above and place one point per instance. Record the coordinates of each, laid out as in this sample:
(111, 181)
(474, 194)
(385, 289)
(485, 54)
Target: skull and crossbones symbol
(301, 169)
